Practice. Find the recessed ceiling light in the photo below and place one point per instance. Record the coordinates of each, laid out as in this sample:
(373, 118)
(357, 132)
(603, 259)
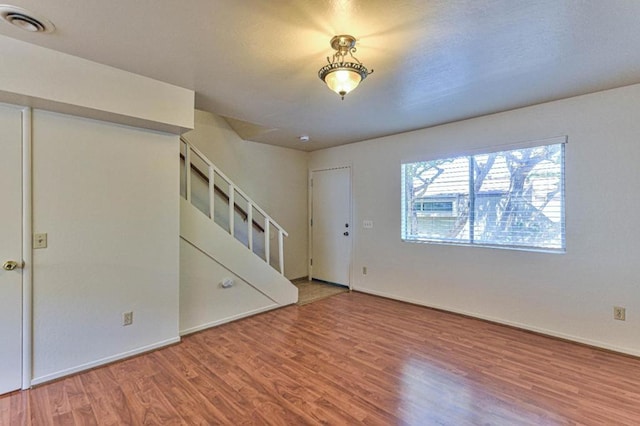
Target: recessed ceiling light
(304, 138)
(25, 19)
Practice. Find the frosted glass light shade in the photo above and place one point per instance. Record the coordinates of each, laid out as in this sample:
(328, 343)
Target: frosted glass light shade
(343, 77)
(342, 81)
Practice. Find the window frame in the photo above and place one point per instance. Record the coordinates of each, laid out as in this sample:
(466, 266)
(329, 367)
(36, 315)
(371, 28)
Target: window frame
(405, 208)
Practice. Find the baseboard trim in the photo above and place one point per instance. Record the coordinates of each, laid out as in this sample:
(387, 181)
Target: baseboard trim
(98, 363)
(526, 327)
(225, 320)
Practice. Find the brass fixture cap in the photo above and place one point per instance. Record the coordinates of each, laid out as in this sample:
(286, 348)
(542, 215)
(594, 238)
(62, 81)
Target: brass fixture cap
(343, 42)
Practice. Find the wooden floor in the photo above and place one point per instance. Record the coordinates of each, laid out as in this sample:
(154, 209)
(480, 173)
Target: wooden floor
(350, 359)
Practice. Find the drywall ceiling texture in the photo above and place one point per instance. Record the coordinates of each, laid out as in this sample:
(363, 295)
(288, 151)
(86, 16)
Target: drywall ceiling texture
(435, 61)
(107, 196)
(568, 295)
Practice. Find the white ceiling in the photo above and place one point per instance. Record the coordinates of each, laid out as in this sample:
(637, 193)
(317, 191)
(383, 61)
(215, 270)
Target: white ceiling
(435, 61)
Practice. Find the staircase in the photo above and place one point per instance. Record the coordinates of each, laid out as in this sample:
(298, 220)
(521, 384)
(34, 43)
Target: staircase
(231, 250)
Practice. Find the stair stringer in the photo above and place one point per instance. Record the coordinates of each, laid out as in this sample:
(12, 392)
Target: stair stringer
(217, 243)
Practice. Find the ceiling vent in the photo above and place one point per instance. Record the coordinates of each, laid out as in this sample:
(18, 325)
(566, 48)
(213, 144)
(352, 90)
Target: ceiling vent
(25, 19)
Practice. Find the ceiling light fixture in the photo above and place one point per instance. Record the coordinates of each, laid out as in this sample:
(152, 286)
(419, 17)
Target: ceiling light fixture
(340, 76)
(25, 19)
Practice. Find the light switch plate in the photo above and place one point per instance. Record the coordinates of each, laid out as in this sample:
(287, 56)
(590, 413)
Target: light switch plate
(40, 241)
(367, 224)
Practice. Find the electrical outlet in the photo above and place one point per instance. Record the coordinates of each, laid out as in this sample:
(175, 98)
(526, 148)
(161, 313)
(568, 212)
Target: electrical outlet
(619, 313)
(127, 318)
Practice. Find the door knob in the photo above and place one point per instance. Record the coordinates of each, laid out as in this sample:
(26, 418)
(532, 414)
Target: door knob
(346, 234)
(10, 265)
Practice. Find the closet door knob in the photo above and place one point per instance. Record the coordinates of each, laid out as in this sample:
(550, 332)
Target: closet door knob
(10, 265)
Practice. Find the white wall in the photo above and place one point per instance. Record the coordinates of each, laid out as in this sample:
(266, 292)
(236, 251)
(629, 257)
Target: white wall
(570, 295)
(208, 255)
(44, 78)
(275, 177)
(107, 195)
(204, 302)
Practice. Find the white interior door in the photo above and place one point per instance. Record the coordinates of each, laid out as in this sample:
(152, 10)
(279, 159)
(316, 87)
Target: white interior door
(331, 225)
(10, 249)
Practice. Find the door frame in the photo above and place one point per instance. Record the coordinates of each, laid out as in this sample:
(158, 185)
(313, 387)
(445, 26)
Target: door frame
(26, 146)
(27, 247)
(349, 167)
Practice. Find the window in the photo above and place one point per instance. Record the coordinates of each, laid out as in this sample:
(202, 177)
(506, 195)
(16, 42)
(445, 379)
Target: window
(512, 199)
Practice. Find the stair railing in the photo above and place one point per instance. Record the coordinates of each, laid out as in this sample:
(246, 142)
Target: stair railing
(212, 171)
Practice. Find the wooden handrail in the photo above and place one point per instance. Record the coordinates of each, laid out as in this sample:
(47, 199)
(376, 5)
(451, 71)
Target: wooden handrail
(238, 209)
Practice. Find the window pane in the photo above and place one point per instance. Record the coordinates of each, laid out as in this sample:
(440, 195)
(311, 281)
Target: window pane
(518, 200)
(510, 199)
(437, 200)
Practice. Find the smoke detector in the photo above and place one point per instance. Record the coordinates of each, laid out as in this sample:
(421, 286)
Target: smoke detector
(25, 19)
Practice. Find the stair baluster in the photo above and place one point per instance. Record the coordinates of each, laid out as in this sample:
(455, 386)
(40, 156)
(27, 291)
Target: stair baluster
(248, 215)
